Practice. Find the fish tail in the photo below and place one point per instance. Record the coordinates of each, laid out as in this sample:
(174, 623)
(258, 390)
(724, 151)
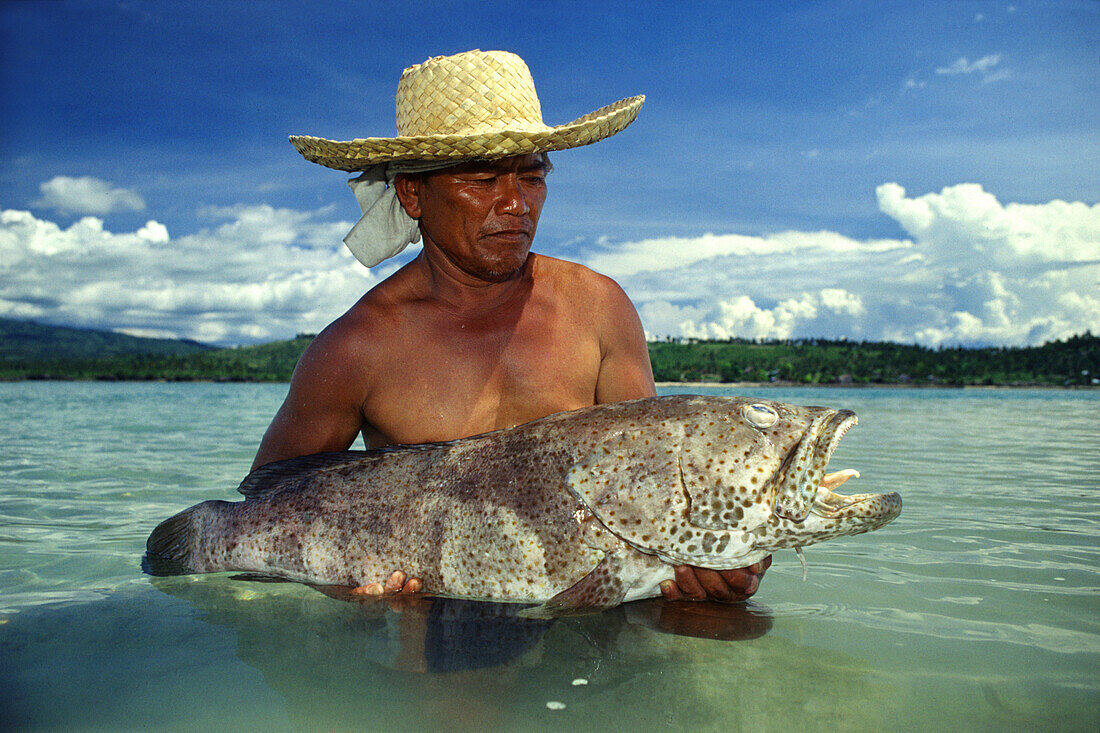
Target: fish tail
(173, 547)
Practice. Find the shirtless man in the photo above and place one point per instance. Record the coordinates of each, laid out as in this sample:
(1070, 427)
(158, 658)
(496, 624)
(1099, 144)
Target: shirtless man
(475, 334)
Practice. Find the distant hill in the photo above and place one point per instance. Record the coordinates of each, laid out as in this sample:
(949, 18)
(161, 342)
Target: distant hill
(31, 350)
(28, 340)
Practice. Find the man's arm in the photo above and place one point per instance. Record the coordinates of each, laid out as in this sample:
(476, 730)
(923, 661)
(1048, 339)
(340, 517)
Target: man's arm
(625, 371)
(322, 410)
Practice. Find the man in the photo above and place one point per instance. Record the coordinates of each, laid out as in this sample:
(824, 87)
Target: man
(476, 333)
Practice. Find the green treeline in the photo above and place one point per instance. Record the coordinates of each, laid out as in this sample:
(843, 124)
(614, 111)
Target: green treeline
(1074, 361)
(1070, 362)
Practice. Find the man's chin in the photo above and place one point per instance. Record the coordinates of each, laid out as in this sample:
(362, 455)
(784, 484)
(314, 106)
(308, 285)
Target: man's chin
(488, 265)
(500, 271)
(499, 275)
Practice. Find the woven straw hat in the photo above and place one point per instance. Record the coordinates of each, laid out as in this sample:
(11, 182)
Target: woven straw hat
(477, 104)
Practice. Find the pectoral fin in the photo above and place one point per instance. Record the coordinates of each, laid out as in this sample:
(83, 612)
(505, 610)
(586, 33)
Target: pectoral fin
(602, 588)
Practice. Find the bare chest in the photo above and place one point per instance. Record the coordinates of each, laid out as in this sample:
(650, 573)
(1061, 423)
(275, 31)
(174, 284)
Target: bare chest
(453, 379)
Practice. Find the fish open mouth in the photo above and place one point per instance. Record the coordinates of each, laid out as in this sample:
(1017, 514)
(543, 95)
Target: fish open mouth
(804, 467)
(879, 508)
(807, 489)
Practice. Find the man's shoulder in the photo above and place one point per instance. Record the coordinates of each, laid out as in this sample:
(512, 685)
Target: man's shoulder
(375, 312)
(576, 277)
(356, 332)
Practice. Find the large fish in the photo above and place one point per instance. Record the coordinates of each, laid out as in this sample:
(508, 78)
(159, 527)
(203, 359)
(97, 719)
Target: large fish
(579, 510)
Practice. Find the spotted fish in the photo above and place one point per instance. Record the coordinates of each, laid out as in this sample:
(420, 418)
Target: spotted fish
(578, 511)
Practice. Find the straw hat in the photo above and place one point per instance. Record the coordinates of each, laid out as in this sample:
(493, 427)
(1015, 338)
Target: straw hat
(477, 104)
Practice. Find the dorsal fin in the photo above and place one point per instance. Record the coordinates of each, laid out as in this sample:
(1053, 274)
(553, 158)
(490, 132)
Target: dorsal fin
(281, 474)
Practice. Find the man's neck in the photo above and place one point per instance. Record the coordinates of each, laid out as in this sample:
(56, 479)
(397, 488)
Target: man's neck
(467, 295)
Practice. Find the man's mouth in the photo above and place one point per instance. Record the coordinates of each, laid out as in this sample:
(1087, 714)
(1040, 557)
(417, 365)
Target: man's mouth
(511, 234)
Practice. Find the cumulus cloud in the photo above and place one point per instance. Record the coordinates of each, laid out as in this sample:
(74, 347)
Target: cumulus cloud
(827, 310)
(87, 195)
(970, 271)
(967, 269)
(673, 253)
(256, 274)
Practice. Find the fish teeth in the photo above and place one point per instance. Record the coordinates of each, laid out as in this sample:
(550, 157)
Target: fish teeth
(832, 480)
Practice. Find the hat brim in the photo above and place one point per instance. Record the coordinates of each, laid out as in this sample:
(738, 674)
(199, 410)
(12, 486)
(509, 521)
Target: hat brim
(355, 155)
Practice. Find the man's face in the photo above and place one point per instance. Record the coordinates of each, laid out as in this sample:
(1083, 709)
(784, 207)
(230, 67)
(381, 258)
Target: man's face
(482, 216)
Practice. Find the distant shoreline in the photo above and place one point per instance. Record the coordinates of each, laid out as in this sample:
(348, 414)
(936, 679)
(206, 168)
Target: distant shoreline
(872, 385)
(689, 385)
(33, 352)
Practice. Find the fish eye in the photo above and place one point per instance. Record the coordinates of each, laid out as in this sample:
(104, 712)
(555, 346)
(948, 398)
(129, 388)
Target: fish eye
(759, 415)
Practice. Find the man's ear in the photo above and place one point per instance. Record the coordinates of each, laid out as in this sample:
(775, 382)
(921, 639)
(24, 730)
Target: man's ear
(408, 193)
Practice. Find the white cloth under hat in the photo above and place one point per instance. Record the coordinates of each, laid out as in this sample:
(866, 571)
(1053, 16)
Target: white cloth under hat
(385, 229)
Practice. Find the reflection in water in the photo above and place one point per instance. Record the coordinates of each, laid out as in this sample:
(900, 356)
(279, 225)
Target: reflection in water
(419, 633)
(446, 664)
(210, 653)
(451, 663)
(425, 634)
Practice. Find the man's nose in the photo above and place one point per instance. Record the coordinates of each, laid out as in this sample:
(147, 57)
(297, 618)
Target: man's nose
(512, 199)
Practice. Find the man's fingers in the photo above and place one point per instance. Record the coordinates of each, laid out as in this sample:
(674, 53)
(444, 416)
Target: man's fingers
(719, 585)
(395, 582)
(689, 585)
(671, 591)
(739, 580)
(373, 589)
(716, 585)
(746, 581)
(398, 583)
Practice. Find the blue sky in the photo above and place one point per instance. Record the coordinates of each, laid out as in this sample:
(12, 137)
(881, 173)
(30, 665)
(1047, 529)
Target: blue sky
(906, 171)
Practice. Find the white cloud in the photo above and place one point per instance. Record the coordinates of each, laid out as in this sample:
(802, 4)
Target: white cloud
(973, 270)
(1054, 231)
(672, 253)
(986, 67)
(965, 66)
(260, 273)
(741, 317)
(969, 269)
(87, 195)
(154, 232)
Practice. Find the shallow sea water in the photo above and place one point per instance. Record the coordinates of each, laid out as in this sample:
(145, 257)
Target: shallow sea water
(977, 609)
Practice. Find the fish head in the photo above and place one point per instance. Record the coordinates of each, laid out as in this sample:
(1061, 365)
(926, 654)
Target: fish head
(761, 467)
(721, 482)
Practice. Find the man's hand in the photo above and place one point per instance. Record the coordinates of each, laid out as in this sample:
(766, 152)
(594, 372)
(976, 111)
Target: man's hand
(395, 584)
(729, 586)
